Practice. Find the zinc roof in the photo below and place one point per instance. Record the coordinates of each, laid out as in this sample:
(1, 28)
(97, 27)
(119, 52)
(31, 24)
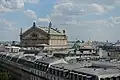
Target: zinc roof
(47, 60)
(100, 71)
(52, 31)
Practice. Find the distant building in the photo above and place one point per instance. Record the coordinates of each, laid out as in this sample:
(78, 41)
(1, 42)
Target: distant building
(12, 49)
(45, 37)
(2, 48)
(111, 51)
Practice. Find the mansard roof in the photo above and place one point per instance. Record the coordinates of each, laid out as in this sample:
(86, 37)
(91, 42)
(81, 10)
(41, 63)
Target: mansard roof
(44, 29)
(52, 31)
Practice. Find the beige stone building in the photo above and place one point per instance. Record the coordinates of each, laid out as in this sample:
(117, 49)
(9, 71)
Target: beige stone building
(45, 37)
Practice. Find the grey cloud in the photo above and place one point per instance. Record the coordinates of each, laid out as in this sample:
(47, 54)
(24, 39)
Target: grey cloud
(7, 31)
(67, 14)
(98, 31)
(32, 1)
(31, 14)
(12, 5)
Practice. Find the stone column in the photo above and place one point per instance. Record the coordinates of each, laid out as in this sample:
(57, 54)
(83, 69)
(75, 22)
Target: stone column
(56, 71)
(84, 77)
(80, 77)
(71, 75)
(60, 72)
(65, 73)
(75, 76)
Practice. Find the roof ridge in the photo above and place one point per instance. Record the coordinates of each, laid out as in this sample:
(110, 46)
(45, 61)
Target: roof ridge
(55, 30)
(52, 30)
(42, 27)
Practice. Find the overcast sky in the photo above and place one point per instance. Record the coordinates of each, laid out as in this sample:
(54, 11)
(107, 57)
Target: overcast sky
(82, 19)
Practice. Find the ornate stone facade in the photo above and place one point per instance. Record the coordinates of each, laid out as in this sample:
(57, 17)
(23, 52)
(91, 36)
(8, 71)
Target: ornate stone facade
(43, 37)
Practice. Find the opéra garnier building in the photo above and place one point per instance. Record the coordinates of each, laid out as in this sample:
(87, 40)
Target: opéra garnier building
(45, 37)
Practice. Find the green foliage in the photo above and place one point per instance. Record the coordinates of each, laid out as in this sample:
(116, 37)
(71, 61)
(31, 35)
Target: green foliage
(4, 75)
